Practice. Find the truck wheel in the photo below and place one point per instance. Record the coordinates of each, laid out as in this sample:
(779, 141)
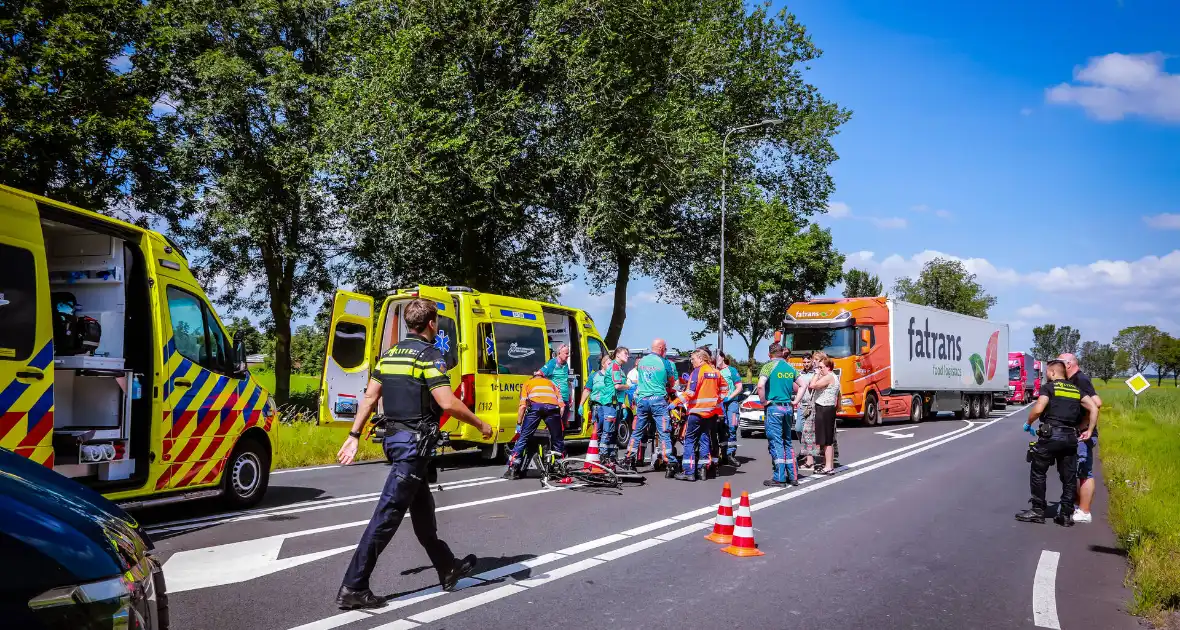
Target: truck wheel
(246, 474)
(964, 409)
(976, 408)
(872, 414)
(916, 410)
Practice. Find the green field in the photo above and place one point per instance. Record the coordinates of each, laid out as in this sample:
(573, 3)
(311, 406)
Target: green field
(306, 444)
(1140, 453)
(299, 382)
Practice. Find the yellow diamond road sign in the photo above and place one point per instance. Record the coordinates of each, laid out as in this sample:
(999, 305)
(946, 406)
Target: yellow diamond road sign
(1138, 384)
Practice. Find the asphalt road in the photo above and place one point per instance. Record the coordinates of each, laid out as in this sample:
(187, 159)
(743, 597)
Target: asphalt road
(915, 532)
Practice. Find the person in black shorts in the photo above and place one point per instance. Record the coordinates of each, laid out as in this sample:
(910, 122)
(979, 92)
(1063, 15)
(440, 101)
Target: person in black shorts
(1086, 448)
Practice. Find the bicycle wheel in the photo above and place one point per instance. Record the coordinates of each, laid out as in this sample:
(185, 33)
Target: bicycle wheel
(589, 473)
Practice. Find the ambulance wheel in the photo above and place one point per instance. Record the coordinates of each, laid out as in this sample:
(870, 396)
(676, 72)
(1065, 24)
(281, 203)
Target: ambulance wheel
(622, 435)
(246, 474)
(494, 453)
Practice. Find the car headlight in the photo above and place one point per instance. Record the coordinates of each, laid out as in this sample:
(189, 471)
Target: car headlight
(125, 602)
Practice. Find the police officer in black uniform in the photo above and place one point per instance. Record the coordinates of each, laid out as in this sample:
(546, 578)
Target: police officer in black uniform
(412, 384)
(1060, 407)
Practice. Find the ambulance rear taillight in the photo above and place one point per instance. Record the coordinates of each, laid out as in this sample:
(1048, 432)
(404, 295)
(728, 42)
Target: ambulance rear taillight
(467, 390)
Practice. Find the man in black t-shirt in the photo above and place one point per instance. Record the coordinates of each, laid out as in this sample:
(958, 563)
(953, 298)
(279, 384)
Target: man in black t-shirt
(1086, 448)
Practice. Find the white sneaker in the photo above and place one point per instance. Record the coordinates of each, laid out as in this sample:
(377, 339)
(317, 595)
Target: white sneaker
(1081, 517)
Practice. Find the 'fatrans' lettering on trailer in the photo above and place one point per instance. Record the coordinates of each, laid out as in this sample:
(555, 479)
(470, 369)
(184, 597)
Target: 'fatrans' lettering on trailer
(934, 345)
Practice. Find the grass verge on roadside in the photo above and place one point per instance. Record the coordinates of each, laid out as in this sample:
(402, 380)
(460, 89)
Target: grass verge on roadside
(1140, 452)
(307, 444)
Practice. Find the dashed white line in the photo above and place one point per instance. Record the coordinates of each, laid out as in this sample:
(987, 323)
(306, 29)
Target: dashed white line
(1044, 595)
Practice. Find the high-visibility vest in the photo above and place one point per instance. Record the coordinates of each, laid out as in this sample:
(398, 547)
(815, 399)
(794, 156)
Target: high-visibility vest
(704, 392)
(540, 390)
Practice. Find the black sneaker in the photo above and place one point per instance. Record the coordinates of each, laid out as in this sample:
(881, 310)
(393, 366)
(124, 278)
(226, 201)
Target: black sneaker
(684, 477)
(348, 599)
(1064, 520)
(770, 483)
(511, 474)
(794, 482)
(460, 570)
(1032, 515)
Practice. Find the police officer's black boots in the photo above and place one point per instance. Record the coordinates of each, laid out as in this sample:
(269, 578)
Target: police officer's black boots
(1064, 517)
(461, 569)
(348, 599)
(1032, 515)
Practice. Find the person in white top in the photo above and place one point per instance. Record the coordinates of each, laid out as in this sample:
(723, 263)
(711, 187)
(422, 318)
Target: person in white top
(826, 390)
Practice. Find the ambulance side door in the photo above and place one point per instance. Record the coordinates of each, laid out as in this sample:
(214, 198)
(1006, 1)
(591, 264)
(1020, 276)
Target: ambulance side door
(348, 358)
(26, 333)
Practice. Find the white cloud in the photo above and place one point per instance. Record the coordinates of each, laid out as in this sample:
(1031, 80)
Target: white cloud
(943, 214)
(1115, 86)
(1033, 310)
(1136, 306)
(1026, 111)
(1017, 324)
(1165, 221)
(889, 223)
(646, 297)
(839, 210)
(920, 208)
(896, 266)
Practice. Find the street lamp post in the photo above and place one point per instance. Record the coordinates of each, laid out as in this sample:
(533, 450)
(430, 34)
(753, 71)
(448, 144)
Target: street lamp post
(724, 180)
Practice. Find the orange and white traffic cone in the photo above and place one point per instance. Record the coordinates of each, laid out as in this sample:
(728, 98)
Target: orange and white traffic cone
(723, 524)
(743, 544)
(592, 452)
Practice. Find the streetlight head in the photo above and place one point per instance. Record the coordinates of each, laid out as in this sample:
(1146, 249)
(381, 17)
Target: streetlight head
(772, 121)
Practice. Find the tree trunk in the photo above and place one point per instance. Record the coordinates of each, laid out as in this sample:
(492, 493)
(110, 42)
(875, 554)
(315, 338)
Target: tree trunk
(619, 313)
(281, 312)
(750, 362)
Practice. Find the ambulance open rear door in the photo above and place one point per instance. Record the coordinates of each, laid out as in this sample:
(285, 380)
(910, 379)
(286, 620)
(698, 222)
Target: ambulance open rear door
(348, 359)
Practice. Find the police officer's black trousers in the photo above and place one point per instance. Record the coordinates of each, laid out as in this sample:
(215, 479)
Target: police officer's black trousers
(406, 488)
(1061, 448)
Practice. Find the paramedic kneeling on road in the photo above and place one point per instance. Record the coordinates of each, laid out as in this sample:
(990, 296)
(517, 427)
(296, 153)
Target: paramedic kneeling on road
(411, 381)
(539, 402)
(1060, 406)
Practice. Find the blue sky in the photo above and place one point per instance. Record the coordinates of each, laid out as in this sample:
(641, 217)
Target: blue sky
(1040, 145)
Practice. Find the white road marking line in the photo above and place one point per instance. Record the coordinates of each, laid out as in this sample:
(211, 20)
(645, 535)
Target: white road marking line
(892, 434)
(1044, 594)
(336, 621)
(309, 468)
(296, 508)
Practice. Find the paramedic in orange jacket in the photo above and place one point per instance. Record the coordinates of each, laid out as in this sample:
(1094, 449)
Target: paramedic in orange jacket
(539, 402)
(702, 400)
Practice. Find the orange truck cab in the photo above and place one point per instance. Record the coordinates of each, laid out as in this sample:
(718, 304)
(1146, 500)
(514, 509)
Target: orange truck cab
(896, 360)
(115, 370)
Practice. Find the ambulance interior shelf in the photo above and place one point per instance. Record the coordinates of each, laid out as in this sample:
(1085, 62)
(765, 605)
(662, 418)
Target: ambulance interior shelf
(93, 386)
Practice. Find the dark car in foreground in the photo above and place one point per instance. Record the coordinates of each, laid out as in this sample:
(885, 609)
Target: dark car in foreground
(72, 559)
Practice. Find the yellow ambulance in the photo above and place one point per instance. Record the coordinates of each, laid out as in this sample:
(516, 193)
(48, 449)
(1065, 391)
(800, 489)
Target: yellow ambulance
(492, 345)
(115, 369)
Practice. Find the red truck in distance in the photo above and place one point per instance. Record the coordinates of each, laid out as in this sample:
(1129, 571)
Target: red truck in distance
(1024, 377)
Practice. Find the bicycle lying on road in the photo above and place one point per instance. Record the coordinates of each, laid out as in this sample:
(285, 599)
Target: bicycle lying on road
(573, 471)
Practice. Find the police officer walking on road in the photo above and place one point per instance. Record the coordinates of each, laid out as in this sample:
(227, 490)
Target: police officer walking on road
(412, 385)
(1059, 406)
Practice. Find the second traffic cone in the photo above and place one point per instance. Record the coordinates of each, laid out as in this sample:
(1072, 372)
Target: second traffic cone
(592, 451)
(723, 524)
(743, 544)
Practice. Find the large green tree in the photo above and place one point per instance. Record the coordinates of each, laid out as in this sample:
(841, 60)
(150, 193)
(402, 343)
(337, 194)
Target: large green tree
(241, 329)
(1164, 354)
(775, 258)
(1136, 342)
(77, 84)
(249, 80)
(1049, 341)
(443, 144)
(860, 283)
(1099, 360)
(649, 90)
(946, 284)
